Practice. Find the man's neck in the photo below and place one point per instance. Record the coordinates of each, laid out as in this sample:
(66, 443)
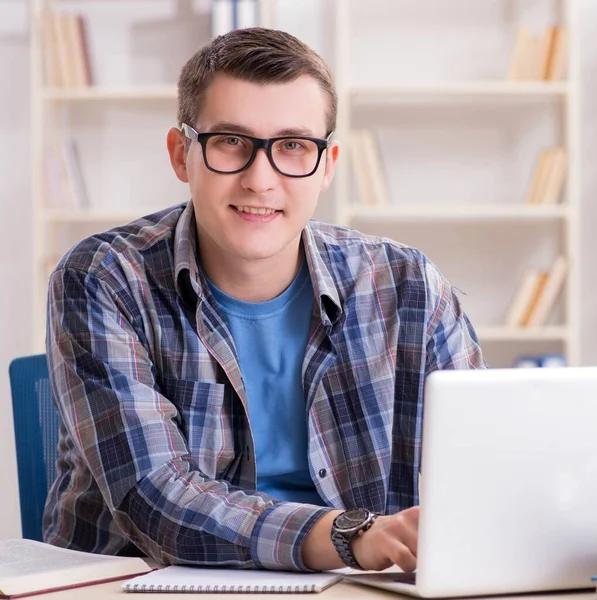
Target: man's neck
(254, 280)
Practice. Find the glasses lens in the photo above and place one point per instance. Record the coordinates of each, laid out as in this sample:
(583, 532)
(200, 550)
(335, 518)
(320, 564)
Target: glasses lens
(294, 156)
(228, 153)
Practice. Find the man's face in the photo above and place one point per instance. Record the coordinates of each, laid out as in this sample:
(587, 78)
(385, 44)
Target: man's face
(264, 111)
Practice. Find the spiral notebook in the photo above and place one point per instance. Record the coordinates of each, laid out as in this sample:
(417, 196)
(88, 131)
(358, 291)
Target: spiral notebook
(197, 579)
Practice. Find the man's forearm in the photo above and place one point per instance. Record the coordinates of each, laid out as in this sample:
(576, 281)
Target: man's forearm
(319, 553)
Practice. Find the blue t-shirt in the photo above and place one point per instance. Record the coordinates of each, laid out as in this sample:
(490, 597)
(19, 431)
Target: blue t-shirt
(270, 339)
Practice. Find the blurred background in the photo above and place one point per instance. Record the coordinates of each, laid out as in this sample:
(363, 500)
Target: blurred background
(467, 129)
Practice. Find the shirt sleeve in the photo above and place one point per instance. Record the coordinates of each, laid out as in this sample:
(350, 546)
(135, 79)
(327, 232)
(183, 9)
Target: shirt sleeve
(126, 431)
(452, 342)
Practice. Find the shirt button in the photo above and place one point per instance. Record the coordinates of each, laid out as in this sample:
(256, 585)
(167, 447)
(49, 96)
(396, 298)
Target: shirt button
(322, 473)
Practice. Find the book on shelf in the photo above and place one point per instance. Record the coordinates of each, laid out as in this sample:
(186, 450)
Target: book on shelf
(548, 177)
(227, 15)
(367, 168)
(539, 57)
(29, 567)
(536, 295)
(534, 298)
(532, 280)
(558, 58)
(64, 183)
(549, 294)
(202, 580)
(65, 49)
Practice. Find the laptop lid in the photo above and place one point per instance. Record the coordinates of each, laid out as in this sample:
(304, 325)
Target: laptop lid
(509, 481)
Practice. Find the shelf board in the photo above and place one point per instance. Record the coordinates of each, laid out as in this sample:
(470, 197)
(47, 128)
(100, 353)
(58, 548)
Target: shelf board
(465, 212)
(96, 216)
(84, 94)
(473, 88)
(501, 333)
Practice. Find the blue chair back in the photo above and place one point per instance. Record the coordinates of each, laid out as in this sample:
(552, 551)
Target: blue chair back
(36, 425)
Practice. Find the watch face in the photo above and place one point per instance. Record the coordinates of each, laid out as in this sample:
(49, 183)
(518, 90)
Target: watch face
(351, 520)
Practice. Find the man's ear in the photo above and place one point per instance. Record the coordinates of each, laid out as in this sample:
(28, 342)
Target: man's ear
(176, 150)
(332, 154)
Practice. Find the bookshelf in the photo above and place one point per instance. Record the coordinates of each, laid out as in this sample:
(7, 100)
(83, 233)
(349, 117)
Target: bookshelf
(446, 88)
(119, 96)
(460, 135)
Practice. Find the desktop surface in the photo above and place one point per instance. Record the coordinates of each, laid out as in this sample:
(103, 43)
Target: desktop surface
(340, 591)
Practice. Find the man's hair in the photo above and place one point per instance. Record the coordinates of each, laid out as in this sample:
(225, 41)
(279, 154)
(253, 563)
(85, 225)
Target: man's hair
(256, 55)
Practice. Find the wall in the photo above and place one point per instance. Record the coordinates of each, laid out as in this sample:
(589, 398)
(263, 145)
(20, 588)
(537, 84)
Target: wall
(15, 211)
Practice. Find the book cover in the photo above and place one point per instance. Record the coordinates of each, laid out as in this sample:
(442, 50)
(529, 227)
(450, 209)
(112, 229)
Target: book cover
(78, 51)
(556, 178)
(534, 299)
(72, 162)
(559, 56)
(550, 40)
(540, 177)
(544, 45)
(49, 43)
(29, 567)
(63, 45)
(522, 57)
(523, 298)
(549, 294)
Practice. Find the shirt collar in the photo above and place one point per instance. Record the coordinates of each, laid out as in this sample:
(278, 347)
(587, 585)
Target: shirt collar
(191, 284)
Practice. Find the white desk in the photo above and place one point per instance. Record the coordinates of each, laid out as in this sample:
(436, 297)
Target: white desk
(340, 591)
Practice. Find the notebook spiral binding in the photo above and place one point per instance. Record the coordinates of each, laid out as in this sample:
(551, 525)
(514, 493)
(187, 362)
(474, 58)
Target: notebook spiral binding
(136, 587)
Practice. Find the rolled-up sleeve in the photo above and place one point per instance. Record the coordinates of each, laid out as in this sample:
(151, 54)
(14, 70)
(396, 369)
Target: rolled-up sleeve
(129, 436)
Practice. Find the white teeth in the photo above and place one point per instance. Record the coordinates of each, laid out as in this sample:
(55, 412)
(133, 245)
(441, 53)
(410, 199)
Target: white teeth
(256, 211)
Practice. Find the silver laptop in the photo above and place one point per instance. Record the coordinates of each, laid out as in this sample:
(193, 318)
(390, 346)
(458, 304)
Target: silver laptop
(508, 495)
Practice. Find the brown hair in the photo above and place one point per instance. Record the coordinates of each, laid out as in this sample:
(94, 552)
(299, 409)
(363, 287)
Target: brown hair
(257, 55)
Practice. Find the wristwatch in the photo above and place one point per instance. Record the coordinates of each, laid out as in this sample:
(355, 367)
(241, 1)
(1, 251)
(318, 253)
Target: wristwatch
(346, 527)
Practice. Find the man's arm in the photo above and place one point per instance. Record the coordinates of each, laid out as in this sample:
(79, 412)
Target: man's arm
(451, 340)
(125, 429)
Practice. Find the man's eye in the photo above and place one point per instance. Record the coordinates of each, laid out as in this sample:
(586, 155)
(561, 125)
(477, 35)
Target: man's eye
(232, 141)
(291, 145)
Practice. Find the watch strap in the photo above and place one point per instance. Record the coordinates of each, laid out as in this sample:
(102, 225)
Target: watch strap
(343, 543)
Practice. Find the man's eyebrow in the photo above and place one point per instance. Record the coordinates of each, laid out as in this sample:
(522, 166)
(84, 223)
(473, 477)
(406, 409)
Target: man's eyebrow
(227, 127)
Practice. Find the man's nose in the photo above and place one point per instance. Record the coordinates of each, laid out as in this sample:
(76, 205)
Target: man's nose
(261, 175)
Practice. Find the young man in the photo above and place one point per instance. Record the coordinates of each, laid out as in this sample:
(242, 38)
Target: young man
(231, 375)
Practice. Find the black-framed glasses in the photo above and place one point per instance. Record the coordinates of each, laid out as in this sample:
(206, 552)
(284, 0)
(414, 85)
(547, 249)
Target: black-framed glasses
(230, 153)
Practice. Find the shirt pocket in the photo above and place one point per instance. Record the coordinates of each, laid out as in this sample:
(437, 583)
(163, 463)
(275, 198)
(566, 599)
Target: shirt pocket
(205, 419)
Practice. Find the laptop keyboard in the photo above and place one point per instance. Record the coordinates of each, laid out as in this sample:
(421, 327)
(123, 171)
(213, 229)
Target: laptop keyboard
(410, 578)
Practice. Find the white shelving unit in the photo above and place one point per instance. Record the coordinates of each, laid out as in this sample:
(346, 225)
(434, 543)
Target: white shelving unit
(51, 110)
(379, 50)
(366, 102)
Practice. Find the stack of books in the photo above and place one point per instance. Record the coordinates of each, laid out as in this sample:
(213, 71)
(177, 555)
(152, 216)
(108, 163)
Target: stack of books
(548, 178)
(536, 295)
(367, 168)
(65, 50)
(540, 57)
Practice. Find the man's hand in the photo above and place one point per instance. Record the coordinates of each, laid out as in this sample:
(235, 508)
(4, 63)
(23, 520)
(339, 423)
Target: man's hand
(391, 540)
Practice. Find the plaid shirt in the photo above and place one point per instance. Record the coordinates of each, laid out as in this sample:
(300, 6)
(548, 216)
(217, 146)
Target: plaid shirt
(156, 451)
